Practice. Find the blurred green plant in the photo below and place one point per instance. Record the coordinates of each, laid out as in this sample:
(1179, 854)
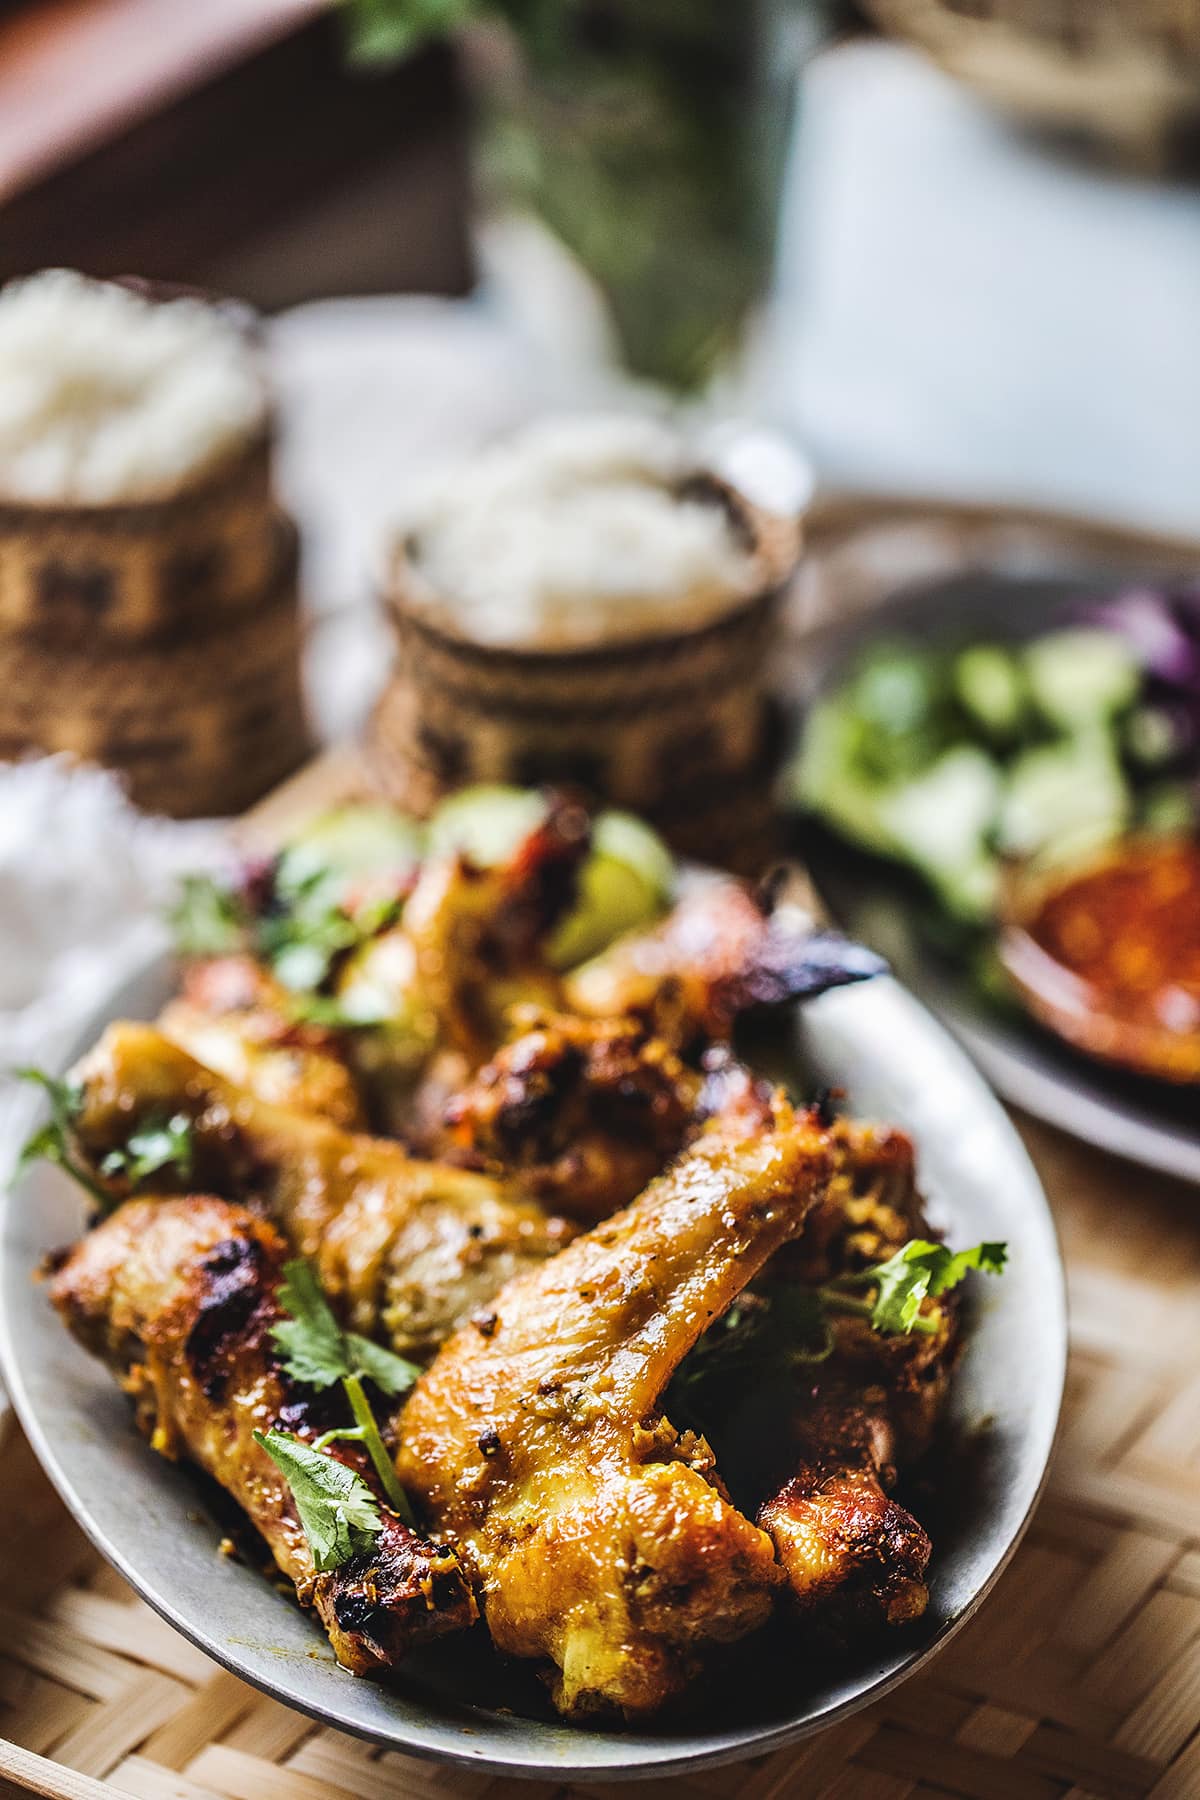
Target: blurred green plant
(648, 134)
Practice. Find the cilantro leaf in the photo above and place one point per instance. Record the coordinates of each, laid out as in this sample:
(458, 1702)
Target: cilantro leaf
(310, 1339)
(318, 1352)
(916, 1270)
(51, 1142)
(159, 1143)
(208, 918)
(337, 1510)
(392, 1374)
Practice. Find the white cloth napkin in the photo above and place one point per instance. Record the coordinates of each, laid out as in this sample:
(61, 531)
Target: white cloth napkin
(85, 880)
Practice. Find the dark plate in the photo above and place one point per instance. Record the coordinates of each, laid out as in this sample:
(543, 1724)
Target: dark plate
(153, 1523)
(1148, 1121)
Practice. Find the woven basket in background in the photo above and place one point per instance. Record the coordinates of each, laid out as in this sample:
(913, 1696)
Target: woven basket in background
(159, 638)
(1122, 71)
(675, 725)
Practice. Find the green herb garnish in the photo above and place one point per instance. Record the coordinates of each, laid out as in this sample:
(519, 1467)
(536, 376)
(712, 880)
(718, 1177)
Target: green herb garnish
(208, 919)
(51, 1142)
(160, 1143)
(905, 1279)
(777, 1329)
(338, 1512)
(317, 1352)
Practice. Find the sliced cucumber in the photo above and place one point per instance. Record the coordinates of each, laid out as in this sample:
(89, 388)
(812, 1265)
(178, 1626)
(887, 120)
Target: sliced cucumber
(1064, 796)
(626, 882)
(827, 779)
(1081, 677)
(485, 823)
(349, 843)
(990, 685)
(942, 820)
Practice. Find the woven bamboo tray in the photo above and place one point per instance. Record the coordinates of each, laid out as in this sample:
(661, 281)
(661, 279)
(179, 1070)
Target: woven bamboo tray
(1080, 1676)
(1079, 1679)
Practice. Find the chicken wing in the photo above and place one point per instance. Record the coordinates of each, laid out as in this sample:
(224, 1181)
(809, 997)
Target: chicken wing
(233, 1016)
(723, 950)
(601, 1537)
(583, 1113)
(829, 1456)
(179, 1297)
(478, 935)
(405, 1249)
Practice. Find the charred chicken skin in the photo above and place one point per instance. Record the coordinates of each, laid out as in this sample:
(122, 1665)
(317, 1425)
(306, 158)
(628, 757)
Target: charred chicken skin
(583, 1113)
(405, 1250)
(602, 1540)
(723, 950)
(179, 1298)
(851, 1553)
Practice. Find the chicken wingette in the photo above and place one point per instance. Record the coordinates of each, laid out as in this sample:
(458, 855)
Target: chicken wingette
(406, 1250)
(584, 1113)
(602, 1540)
(236, 1018)
(724, 950)
(828, 1442)
(179, 1297)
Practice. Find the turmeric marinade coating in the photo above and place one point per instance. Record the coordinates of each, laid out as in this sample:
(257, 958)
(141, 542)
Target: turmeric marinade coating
(405, 1249)
(179, 1297)
(602, 1539)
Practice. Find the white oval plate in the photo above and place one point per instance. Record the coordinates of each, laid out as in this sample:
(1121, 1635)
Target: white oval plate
(458, 1702)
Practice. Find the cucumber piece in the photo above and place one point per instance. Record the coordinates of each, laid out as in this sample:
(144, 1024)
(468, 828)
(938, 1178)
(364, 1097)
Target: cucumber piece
(1170, 807)
(827, 780)
(896, 703)
(941, 822)
(626, 882)
(1081, 677)
(1064, 797)
(349, 843)
(485, 823)
(1153, 738)
(990, 685)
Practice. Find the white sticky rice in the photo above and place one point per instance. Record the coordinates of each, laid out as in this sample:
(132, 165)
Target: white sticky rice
(574, 533)
(106, 396)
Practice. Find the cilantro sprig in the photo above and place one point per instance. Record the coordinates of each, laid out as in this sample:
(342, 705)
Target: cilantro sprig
(161, 1141)
(902, 1283)
(300, 918)
(52, 1142)
(781, 1327)
(338, 1512)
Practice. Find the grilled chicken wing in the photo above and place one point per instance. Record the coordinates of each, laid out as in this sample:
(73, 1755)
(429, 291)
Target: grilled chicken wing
(179, 1297)
(478, 935)
(851, 1553)
(405, 1249)
(584, 1113)
(723, 950)
(603, 1541)
(233, 1016)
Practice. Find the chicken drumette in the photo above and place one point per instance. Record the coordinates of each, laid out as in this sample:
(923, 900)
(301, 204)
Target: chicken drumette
(405, 1249)
(604, 1544)
(179, 1297)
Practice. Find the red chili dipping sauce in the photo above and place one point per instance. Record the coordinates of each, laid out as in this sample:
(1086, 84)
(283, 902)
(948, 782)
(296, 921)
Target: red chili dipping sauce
(1108, 956)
